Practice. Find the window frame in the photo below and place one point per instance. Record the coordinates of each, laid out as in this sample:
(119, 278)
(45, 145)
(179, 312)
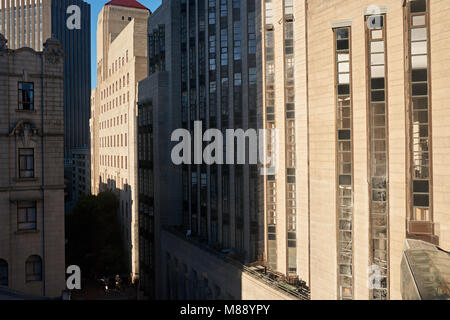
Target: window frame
(33, 169)
(26, 205)
(36, 275)
(373, 128)
(20, 102)
(344, 225)
(427, 210)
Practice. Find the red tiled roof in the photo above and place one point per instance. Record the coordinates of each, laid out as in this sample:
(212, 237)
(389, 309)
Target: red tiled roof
(127, 3)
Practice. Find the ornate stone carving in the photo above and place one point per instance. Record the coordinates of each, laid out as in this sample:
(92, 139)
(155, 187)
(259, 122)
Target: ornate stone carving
(26, 132)
(53, 51)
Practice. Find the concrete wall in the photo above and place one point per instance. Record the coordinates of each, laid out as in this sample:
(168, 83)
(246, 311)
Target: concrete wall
(192, 273)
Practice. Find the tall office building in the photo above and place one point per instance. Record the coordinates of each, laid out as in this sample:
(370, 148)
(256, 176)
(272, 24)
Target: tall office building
(201, 226)
(355, 94)
(364, 129)
(32, 258)
(218, 76)
(121, 63)
(27, 23)
(285, 110)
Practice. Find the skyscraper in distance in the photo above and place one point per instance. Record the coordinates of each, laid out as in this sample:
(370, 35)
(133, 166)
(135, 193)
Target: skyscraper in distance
(121, 63)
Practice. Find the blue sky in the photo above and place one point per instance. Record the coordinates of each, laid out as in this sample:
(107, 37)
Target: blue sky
(96, 6)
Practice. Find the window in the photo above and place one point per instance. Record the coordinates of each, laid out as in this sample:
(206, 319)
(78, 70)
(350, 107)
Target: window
(26, 215)
(26, 163)
(3, 273)
(420, 114)
(271, 183)
(344, 177)
(378, 153)
(289, 85)
(33, 268)
(26, 96)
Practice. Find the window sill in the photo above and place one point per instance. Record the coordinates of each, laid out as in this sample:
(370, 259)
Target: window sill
(26, 111)
(23, 232)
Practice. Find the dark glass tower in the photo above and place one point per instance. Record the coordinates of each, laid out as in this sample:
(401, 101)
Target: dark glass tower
(77, 72)
(76, 44)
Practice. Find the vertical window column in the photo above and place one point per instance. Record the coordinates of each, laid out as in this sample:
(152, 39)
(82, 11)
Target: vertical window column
(289, 85)
(420, 220)
(378, 153)
(271, 183)
(344, 163)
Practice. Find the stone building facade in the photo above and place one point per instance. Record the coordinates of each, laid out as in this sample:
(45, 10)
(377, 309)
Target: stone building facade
(121, 64)
(32, 254)
(378, 141)
(28, 23)
(364, 83)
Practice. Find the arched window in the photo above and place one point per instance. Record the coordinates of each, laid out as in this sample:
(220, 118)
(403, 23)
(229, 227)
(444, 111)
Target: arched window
(3, 273)
(33, 268)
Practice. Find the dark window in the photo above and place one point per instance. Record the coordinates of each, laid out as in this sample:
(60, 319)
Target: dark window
(26, 96)
(421, 200)
(419, 75)
(26, 215)
(33, 268)
(420, 89)
(378, 96)
(344, 135)
(421, 186)
(3, 273)
(377, 83)
(343, 45)
(26, 163)
(418, 6)
(343, 89)
(345, 180)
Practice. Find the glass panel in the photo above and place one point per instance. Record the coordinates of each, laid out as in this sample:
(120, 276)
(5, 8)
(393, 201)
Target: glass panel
(419, 62)
(343, 45)
(420, 47)
(344, 78)
(418, 20)
(377, 58)
(343, 57)
(377, 47)
(418, 34)
(377, 71)
(377, 34)
(344, 67)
